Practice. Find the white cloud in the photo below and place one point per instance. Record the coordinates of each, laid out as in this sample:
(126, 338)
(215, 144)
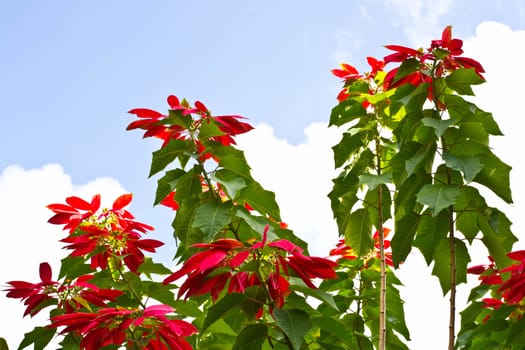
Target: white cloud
(420, 18)
(27, 238)
(346, 42)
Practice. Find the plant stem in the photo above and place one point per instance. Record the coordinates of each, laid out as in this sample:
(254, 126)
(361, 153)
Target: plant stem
(382, 291)
(452, 316)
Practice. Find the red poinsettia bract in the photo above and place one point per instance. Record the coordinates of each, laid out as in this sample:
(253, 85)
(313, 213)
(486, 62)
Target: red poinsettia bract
(73, 295)
(344, 251)
(166, 128)
(148, 329)
(210, 270)
(111, 234)
(511, 288)
(350, 74)
(446, 52)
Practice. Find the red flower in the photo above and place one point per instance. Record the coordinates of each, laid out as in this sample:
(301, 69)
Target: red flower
(73, 295)
(163, 126)
(34, 295)
(112, 233)
(210, 270)
(111, 326)
(401, 53)
(347, 72)
(75, 211)
(346, 252)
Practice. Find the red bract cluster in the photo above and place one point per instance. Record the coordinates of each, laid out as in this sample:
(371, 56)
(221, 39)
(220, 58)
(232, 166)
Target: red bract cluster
(210, 270)
(350, 74)
(146, 329)
(73, 295)
(511, 289)
(34, 295)
(111, 236)
(346, 252)
(442, 57)
(183, 122)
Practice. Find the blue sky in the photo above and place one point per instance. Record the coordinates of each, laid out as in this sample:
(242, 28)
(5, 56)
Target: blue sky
(71, 69)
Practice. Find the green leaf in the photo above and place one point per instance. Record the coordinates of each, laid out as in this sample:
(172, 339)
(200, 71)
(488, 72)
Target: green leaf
(346, 111)
(294, 323)
(3, 344)
(372, 181)
(208, 128)
(462, 79)
(405, 231)
(495, 176)
(160, 292)
(261, 200)
(177, 118)
(251, 337)
(255, 298)
(420, 158)
(469, 166)
(167, 183)
(182, 225)
(438, 197)
(72, 267)
(223, 306)
(358, 232)
(441, 267)
(349, 144)
(148, 267)
(210, 218)
(39, 336)
(168, 154)
(230, 181)
(333, 326)
(497, 236)
(407, 67)
(234, 161)
(467, 223)
(431, 231)
(296, 284)
(439, 125)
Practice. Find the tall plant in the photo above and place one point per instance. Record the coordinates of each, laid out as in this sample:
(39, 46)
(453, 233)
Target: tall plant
(412, 157)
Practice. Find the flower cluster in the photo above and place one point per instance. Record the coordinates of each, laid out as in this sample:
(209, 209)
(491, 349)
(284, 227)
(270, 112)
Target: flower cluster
(184, 122)
(84, 305)
(221, 263)
(145, 329)
(110, 236)
(72, 295)
(440, 59)
(510, 290)
(346, 252)
(350, 74)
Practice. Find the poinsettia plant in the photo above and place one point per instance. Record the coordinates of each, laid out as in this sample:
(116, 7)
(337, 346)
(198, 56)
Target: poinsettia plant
(413, 155)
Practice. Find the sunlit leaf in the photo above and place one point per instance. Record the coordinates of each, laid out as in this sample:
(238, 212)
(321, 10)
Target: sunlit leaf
(431, 230)
(358, 232)
(438, 197)
(468, 166)
(441, 267)
(495, 176)
(211, 217)
(168, 154)
(405, 231)
(461, 80)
